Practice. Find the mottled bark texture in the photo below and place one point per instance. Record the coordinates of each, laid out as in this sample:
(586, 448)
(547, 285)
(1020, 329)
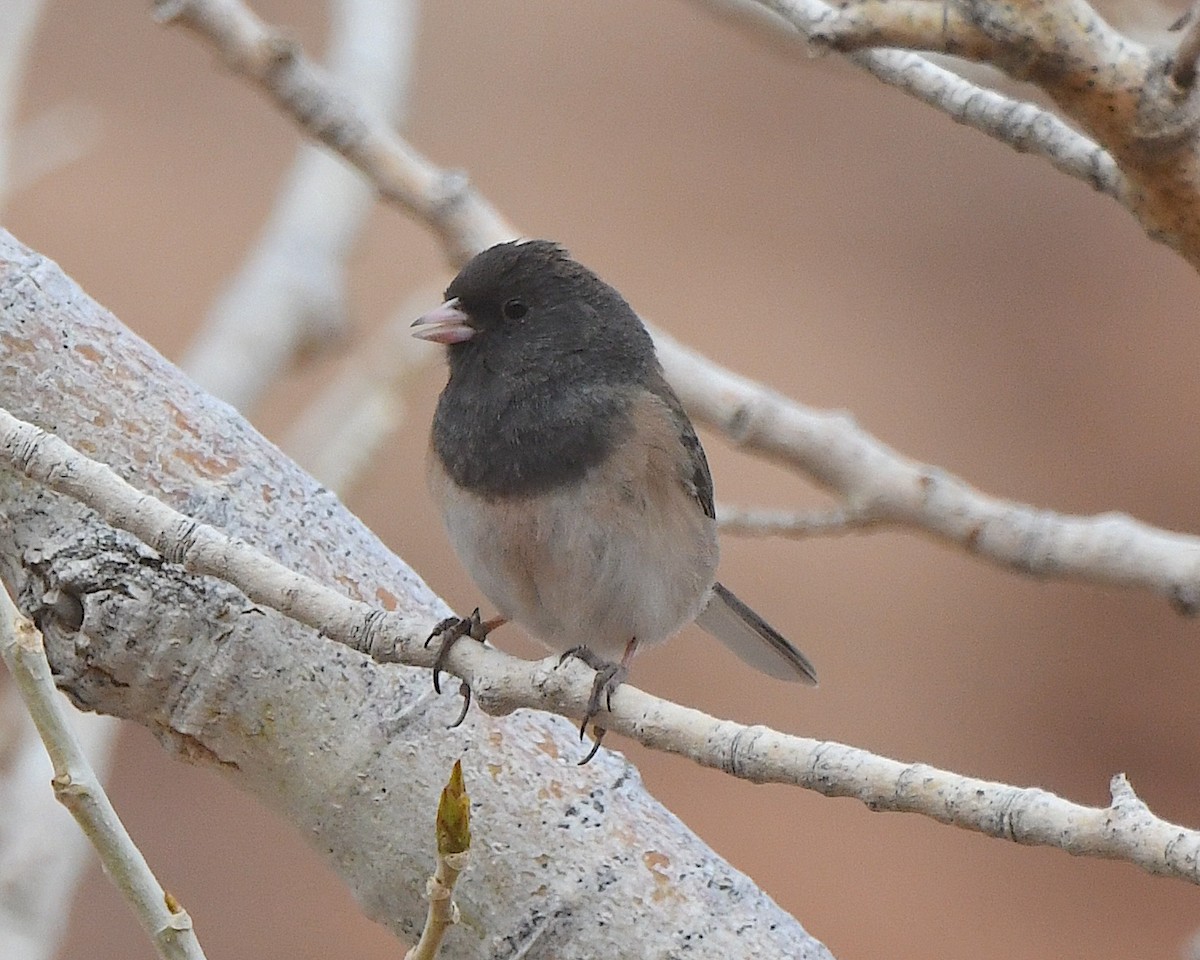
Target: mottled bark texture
(568, 861)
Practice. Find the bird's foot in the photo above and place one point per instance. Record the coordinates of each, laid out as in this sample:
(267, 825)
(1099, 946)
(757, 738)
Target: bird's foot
(609, 676)
(451, 630)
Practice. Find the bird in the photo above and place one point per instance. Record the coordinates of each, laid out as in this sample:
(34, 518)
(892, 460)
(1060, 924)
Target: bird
(572, 484)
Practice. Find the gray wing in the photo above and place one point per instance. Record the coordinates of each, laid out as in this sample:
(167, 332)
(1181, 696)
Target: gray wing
(725, 616)
(699, 478)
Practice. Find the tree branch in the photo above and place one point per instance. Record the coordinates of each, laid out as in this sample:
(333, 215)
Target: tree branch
(1126, 830)
(880, 485)
(39, 843)
(289, 293)
(754, 522)
(42, 853)
(1025, 127)
(1119, 91)
(443, 200)
(350, 752)
(78, 788)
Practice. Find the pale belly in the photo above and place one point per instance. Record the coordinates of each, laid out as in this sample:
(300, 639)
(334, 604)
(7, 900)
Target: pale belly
(581, 567)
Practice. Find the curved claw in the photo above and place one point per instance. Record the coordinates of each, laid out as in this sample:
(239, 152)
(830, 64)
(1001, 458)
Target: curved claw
(451, 630)
(464, 690)
(442, 627)
(608, 677)
(599, 732)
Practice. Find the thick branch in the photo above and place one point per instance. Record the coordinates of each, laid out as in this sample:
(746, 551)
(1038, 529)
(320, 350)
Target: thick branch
(1119, 91)
(351, 752)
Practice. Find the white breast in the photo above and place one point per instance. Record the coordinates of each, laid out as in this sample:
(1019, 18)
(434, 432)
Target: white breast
(624, 554)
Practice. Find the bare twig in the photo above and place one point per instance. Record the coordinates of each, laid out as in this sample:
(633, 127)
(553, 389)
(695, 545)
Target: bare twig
(872, 478)
(289, 294)
(462, 219)
(453, 831)
(42, 851)
(1118, 91)
(911, 24)
(1025, 127)
(757, 522)
(78, 788)
(1126, 830)
(42, 855)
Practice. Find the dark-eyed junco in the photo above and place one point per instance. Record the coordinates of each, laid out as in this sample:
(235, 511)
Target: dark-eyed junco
(571, 481)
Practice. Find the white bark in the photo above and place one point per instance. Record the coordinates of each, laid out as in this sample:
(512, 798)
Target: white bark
(42, 852)
(567, 861)
(20, 19)
(78, 788)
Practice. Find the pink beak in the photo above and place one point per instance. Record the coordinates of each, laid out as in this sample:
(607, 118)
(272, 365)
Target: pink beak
(445, 324)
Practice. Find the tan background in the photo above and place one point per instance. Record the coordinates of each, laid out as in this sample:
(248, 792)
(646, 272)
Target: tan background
(827, 236)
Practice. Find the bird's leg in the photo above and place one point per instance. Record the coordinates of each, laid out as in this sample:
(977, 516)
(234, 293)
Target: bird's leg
(609, 676)
(451, 630)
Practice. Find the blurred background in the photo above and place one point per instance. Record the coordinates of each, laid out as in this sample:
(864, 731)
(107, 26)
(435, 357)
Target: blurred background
(817, 232)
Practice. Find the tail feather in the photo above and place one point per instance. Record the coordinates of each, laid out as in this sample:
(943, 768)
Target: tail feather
(753, 639)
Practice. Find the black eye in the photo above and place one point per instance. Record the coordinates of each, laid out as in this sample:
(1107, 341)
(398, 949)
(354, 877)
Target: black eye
(515, 309)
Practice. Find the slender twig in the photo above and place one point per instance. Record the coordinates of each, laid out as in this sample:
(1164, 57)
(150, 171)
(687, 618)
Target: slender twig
(453, 831)
(871, 477)
(1022, 125)
(78, 788)
(42, 857)
(443, 200)
(912, 24)
(1126, 830)
(288, 297)
(39, 843)
(1116, 90)
(758, 522)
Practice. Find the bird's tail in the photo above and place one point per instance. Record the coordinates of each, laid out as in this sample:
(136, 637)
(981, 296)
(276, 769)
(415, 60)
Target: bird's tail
(753, 639)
